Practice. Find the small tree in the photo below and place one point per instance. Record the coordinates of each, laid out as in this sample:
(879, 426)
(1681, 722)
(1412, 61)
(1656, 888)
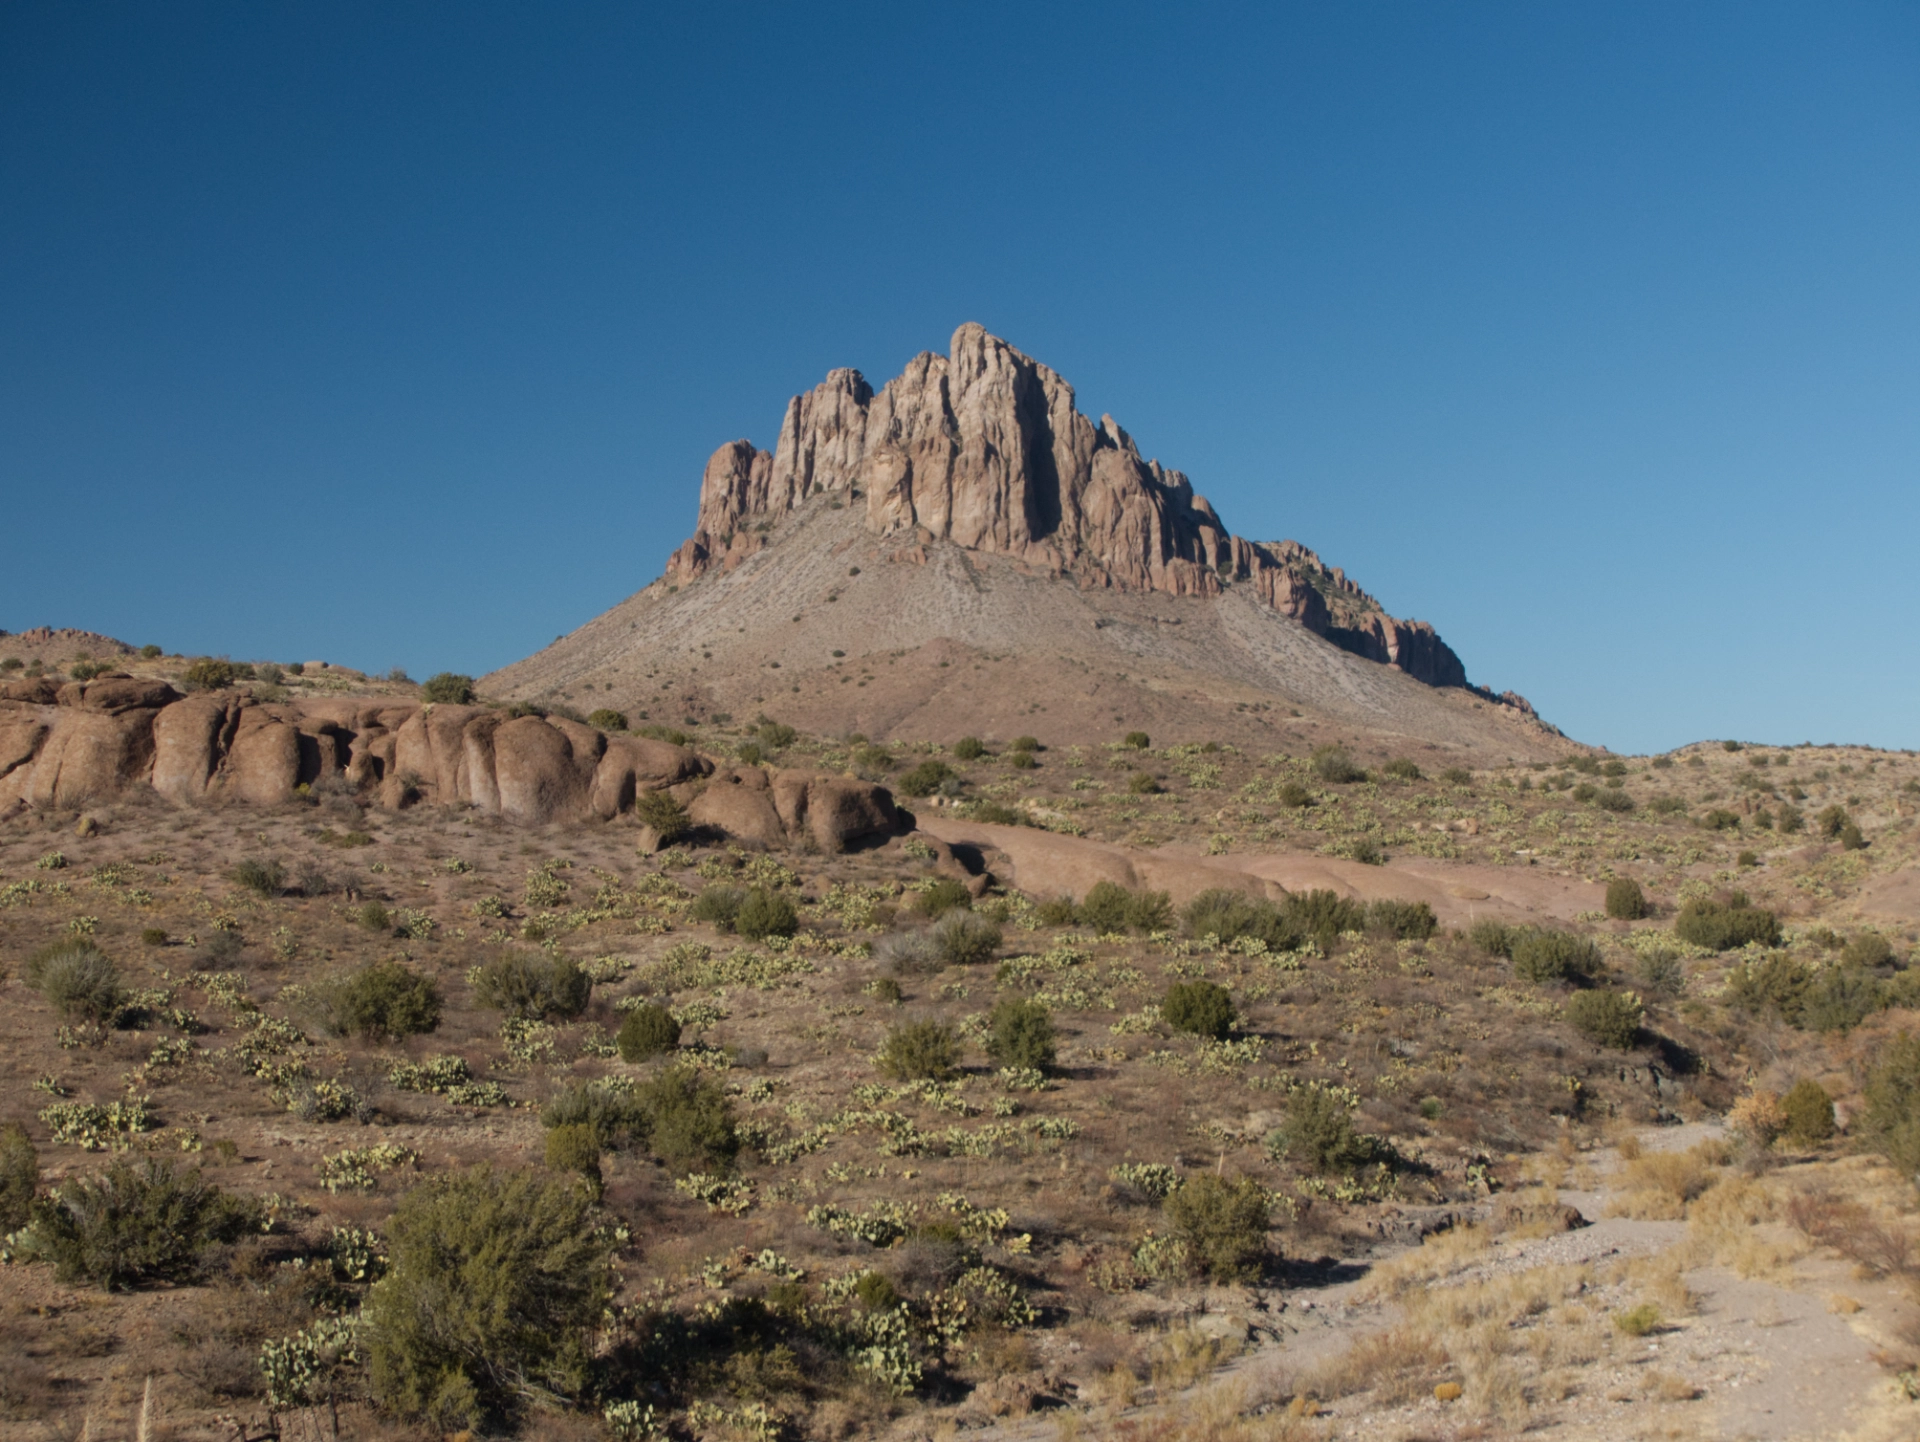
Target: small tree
(666, 816)
(1808, 1111)
(1625, 900)
(1606, 1018)
(495, 1282)
(920, 1050)
(1203, 1008)
(690, 1124)
(380, 1000)
(135, 1225)
(447, 689)
(1891, 1121)
(649, 1030)
(1223, 1223)
(1020, 1033)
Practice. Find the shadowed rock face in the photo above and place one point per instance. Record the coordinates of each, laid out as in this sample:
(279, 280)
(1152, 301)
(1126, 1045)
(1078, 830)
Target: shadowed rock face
(985, 448)
(91, 741)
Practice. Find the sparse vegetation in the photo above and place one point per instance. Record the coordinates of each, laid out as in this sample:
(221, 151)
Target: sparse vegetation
(532, 985)
(1722, 925)
(920, 1051)
(1204, 1008)
(134, 1225)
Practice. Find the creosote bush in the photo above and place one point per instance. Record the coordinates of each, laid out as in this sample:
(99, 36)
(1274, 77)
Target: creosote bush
(532, 985)
(689, 1121)
(495, 1282)
(208, 674)
(1606, 1018)
(1335, 765)
(78, 980)
(1543, 955)
(920, 1051)
(666, 816)
(648, 1031)
(1891, 1120)
(924, 779)
(1143, 783)
(1625, 900)
(1318, 1133)
(1203, 1008)
(1401, 769)
(1136, 741)
(943, 895)
(765, 911)
(19, 1177)
(718, 904)
(380, 1000)
(607, 719)
(965, 939)
(135, 1225)
(1808, 1111)
(1020, 1033)
(1223, 1222)
(1111, 909)
(263, 878)
(446, 688)
(969, 748)
(1402, 920)
(1722, 925)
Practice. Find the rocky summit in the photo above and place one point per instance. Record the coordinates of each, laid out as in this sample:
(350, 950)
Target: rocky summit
(968, 510)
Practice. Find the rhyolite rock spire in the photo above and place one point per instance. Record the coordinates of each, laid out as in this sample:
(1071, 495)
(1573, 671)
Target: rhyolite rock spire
(984, 448)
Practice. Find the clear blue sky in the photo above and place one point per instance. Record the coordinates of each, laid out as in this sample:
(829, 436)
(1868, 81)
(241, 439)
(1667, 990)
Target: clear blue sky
(398, 334)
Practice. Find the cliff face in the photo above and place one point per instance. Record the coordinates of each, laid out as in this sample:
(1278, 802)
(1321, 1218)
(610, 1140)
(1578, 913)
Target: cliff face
(986, 449)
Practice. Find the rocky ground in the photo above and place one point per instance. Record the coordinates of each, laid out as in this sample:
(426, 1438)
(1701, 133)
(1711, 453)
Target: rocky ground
(1485, 1102)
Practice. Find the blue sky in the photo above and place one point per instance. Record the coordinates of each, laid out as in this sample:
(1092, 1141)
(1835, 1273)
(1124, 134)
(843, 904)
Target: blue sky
(398, 334)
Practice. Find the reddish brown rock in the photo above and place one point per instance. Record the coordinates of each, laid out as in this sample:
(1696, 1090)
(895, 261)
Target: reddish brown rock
(537, 773)
(633, 764)
(262, 765)
(190, 739)
(90, 756)
(740, 803)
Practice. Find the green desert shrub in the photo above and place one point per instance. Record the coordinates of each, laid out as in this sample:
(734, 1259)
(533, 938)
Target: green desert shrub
(532, 985)
(446, 688)
(615, 1116)
(1143, 783)
(1401, 769)
(207, 673)
(1891, 1120)
(78, 980)
(1135, 741)
(495, 1284)
(1832, 820)
(1808, 1112)
(1606, 1018)
(1625, 900)
(1231, 915)
(151, 652)
(1223, 1222)
(154, 936)
(969, 748)
(135, 1225)
(1868, 949)
(1335, 765)
(648, 1031)
(718, 903)
(1020, 1033)
(263, 878)
(1611, 799)
(1544, 955)
(1203, 1008)
(1492, 936)
(1722, 925)
(19, 1177)
(1324, 915)
(920, 1050)
(777, 735)
(1457, 776)
(689, 1121)
(1319, 1133)
(1403, 920)
(942, 895)
(666, 816)
(1024, 743)
(607, 719)
(382, 999)
(1585, 792)
(1841, 997)
(1775, 984)
(1720, 819)
(965, 939)
(926, 778)
(1110, 908)
(766, 911)
(1293, 795)
(1667, 805)
(576, 1149)
(1022, 760)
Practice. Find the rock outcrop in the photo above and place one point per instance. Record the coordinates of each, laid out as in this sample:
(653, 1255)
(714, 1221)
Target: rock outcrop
(87, 742)
(985, 448)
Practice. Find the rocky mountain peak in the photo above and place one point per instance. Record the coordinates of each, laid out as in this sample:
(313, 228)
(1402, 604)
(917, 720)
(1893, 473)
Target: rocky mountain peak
(985, 448)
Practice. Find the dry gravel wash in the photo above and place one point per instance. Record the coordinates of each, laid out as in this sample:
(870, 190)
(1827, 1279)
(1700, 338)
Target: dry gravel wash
(1765, 1362)
(939, 643)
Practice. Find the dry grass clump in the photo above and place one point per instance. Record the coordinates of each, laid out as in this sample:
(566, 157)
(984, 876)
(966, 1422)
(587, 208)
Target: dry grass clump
(1658, 1186)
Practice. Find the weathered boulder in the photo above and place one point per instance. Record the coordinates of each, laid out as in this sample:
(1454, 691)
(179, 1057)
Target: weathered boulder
(740, 803)
(632, 764)
(831, 810)
(115, 694)
(91, 756)
(262, 764)
(537, 772)
(190, 739)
